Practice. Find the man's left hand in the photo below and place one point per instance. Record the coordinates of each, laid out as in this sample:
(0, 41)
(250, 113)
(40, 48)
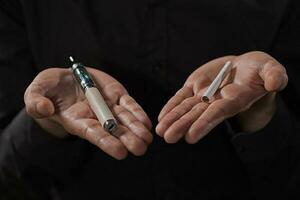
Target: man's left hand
(248, 93)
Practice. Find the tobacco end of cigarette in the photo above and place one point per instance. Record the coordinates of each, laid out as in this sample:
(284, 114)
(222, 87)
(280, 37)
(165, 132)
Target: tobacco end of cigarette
(205, 99)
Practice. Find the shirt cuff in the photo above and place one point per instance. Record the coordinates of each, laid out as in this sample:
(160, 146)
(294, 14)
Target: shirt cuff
(267, 142)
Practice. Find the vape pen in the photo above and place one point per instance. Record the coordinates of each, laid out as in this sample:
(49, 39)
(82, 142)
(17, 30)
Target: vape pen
(94, 97)
(214, 86)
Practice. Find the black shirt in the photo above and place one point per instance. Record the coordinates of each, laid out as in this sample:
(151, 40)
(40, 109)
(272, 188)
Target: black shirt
(150, 46)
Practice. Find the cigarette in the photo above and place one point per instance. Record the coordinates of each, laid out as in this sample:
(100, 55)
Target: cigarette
(94, 97)
(214, 86)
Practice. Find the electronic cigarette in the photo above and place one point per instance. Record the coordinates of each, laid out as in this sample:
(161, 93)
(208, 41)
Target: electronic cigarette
(214, 86)
(94, 97)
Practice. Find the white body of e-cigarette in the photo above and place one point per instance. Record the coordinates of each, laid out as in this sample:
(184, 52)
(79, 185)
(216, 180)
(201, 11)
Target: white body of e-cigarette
(94, 97)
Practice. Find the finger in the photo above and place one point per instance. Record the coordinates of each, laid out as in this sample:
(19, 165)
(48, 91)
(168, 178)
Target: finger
(112, 92)
(209, 70)
(181, 95)
(213, 115)
(135, 109)
(110, 88)
(133, 124)
(79, 120)
(202, 77)
(115, 93)
(91, 130)
(274, 76)
(243, 95)
(133, 143)
(179, 128)
(202, 83)
(37, 105)
(81, 110)
(177, 112)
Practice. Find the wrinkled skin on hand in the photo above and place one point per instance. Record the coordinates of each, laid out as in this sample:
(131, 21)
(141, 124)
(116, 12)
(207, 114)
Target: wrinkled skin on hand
(54, 99)
(248, 93)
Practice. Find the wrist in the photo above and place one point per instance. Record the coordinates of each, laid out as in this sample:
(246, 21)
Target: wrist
(52, 128)
(258, 115)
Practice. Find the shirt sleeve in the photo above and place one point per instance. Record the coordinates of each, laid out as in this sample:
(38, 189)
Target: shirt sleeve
(266, 143)
(283, 129)
(272, 155)
(26, 151)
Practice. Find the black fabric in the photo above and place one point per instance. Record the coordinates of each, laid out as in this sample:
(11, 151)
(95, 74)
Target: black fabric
(150, 46)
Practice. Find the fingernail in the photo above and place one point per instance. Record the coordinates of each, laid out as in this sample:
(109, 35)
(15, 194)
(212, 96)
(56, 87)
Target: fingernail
(160, 129)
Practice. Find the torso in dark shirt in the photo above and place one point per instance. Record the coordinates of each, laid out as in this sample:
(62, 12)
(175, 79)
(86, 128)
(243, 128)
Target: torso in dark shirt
(151, 46)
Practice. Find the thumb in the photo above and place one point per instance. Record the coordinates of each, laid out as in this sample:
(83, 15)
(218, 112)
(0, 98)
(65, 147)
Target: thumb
(37, 105)
(274, 76)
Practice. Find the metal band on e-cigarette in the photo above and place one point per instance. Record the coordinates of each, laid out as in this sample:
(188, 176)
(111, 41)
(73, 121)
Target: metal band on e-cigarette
(86, 82)
(82, 76)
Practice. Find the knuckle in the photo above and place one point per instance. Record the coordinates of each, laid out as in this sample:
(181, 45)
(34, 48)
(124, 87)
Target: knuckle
(179, 110)
(137, 109)
(143, 119)
(189, 103)
(179, 92)
(171, 116)
(118, 90)
(187, 120)
(174, 101)
(84, 134)
(127, 100)
(134, 123)
(270, 63)
(201, 107)
(205, 123)
(120, 111)
(101, 140)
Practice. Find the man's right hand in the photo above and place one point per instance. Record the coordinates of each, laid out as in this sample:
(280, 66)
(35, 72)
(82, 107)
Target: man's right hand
(54, 99)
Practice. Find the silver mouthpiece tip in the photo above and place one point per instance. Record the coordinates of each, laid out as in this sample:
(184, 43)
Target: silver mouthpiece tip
(71, 59)
(110, 126)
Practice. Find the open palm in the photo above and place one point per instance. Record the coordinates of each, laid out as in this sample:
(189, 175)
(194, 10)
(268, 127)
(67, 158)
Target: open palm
(254, 75)
(56, 102)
